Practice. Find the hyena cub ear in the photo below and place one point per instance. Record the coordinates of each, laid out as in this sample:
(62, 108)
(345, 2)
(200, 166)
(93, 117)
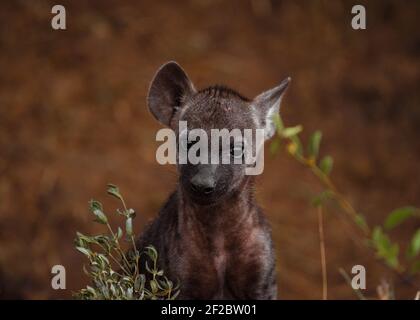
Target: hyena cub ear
(267, 105)
(168, 90)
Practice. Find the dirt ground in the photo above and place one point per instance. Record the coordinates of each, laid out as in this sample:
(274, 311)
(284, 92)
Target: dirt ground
(73, 117)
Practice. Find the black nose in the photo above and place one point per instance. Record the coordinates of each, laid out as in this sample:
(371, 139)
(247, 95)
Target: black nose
(204, 185)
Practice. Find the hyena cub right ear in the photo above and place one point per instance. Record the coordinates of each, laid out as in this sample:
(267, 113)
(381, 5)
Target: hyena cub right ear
(168, 90)
(268, 105)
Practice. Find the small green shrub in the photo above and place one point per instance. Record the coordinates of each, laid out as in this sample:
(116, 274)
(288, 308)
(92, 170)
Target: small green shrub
(376, 237)
(115, 274)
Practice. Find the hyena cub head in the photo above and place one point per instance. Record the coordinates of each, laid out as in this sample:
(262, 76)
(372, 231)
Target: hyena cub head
(221, 167)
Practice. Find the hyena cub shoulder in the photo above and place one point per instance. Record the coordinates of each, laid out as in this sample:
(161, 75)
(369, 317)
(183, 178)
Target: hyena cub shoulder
(211, 235)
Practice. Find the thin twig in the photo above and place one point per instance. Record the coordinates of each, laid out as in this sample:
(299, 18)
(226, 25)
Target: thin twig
(118, 247)
(323, 256)
(345, 205)
(136, 272)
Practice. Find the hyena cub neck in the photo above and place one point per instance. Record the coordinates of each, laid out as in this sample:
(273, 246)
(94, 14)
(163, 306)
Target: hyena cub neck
(211, 234)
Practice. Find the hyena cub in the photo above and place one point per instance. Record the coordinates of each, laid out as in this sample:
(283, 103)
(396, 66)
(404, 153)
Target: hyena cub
(211, 235)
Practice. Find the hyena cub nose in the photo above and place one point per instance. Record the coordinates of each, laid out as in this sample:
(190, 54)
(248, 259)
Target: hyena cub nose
(204, 181)
(211, 234)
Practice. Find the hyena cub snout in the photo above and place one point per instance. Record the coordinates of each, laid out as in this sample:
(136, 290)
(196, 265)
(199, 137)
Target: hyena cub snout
(206, 184)
(211, 234)
(204, 181)
(215, 175)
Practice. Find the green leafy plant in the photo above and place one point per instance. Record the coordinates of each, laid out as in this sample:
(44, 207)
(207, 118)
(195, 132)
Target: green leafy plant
(114, 273)
(377, 237)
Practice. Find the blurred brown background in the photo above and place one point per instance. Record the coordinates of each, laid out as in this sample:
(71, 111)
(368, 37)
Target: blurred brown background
(73, 117)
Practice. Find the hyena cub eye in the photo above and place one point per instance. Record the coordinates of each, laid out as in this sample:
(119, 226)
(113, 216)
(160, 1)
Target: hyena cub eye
(190, 144)
(237, 150)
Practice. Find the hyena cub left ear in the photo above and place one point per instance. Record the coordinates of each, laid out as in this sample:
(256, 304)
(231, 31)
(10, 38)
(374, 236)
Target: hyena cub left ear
(267, 105)
(168, 90)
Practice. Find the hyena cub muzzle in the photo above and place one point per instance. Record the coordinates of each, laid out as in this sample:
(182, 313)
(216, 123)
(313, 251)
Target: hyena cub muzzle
(211, 235)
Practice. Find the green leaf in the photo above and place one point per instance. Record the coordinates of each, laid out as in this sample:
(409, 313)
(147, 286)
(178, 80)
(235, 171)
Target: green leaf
(114, 191)
(104, 241)
(95, 205)
(100, 216)
(119, 233)
(97, 209)
(314, 143)
(278, 123)
(139, 282)
(321, 198)
(152, 253)
(113, 290)
(274, 146)
(169, 283)
(148, 268)
(398, 216)
(129, 293)
(85, 271)
(103, 259)
(385, 249)
(380, 239)
(298, 144)
(414, 247)
(127, 279)
(153, 286)
(326, 165)
(91, 290)
(376, 234)
(85, 251)
(105, 291)
(129, 227)
(291, 132)
(361, 221)
(392, 256)
(82, 240)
